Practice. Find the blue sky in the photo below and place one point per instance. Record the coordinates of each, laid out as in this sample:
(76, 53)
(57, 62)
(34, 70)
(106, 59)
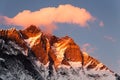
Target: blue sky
(102, 42)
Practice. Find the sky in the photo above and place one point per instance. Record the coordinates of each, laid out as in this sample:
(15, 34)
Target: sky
(93, 24)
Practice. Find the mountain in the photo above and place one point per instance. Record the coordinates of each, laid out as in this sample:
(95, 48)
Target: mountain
(31, 54)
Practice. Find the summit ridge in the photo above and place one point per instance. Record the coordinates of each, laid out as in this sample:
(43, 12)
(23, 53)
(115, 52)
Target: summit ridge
(53, 57)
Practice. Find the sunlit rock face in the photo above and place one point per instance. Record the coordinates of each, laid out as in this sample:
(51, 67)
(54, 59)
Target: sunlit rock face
(47, 56)
(13, 35)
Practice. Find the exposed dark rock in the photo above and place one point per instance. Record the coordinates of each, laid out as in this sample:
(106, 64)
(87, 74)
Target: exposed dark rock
(17, 68)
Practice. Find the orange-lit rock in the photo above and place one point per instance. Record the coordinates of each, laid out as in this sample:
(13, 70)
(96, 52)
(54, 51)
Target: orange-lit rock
(13, 35)
(49, 48)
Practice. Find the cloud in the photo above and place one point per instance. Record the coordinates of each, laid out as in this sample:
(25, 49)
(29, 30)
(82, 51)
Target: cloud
(3, 20)
(110, 38)
(101, 24)
(88, 48)
(85, 46)
(48, 17)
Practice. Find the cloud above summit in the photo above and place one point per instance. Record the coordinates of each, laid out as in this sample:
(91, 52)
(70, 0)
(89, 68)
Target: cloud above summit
(87, 47)
(48, 17)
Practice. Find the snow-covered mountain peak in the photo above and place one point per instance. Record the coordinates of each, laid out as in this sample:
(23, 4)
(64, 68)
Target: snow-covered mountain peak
(53, 58)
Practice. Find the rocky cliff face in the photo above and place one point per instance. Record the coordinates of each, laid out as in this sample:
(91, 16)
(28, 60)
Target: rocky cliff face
(50, 57)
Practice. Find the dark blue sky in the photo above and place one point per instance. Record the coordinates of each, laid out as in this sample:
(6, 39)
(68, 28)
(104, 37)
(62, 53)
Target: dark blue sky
(104, 42)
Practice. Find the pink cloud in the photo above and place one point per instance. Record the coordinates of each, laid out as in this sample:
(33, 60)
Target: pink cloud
(110, 38)
(48, 17)
(101, 24)
(88, 48)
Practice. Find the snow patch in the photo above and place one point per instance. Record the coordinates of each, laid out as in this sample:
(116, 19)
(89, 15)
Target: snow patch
(2, 42)
(64, 66)
(1, 59)
(98, 66)
(59, 49)
(75, 64)
(24, 52)
(85, 54)
(88, 64)
(38, 63)
(32, 40)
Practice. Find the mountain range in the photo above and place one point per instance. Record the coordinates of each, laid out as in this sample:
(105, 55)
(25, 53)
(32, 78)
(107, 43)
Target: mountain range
(31, 54)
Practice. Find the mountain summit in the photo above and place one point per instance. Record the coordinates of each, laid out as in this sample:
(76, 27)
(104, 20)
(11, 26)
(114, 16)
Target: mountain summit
(31, 54)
